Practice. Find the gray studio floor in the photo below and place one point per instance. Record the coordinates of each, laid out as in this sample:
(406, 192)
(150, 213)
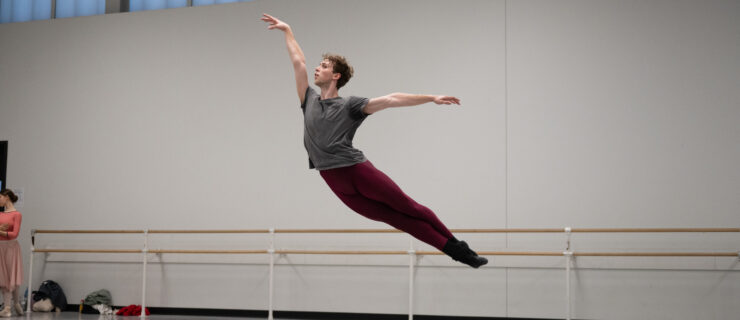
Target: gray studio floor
(75, 315)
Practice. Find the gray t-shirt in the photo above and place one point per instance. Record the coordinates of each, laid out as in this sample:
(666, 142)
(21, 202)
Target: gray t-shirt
(329, 127)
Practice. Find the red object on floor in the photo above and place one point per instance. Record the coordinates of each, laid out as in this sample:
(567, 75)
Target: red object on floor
(132, 310)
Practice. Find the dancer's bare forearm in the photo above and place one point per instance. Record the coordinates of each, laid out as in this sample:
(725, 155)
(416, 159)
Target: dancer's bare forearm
(406, 100)
(294, 51)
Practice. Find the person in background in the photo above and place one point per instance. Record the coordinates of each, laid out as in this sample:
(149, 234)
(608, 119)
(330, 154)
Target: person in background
(11, 265)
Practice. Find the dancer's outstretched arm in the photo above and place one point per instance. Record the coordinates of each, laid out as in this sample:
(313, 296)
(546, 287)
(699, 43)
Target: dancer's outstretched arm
(405, 100)
(295, 52)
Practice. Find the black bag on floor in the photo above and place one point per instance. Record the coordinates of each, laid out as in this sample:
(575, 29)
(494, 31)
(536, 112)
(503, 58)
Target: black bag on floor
(85, 309)
(52, 291)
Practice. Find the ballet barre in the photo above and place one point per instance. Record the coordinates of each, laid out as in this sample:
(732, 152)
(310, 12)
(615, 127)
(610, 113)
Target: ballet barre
(504, 230)
(271, 251)
(418, 253)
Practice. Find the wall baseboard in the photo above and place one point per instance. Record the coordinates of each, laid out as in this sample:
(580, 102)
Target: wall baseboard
(312, 315)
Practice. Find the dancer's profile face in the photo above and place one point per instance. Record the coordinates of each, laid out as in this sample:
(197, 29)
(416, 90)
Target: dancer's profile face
(324, 73)
(3, 200)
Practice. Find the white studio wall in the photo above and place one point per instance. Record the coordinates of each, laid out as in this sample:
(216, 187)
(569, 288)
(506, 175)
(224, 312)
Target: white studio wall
(574, 113)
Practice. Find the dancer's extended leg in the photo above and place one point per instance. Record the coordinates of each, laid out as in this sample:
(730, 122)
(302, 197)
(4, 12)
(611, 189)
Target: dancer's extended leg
(374, 210)
(376, 185)
(371, 193)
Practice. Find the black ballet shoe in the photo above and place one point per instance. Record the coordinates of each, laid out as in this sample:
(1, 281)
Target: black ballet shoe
(475, 261)
(460, 251)
(467, 248)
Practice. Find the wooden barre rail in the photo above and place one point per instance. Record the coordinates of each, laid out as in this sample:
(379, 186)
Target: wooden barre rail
(398, 252)
(89, 250)
(511, 230)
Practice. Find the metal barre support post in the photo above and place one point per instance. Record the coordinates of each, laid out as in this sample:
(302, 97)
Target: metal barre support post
(143, 280)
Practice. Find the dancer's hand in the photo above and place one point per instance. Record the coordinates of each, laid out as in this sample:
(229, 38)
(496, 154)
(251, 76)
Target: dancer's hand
(4, 227)
(446, 100)
(274, 23)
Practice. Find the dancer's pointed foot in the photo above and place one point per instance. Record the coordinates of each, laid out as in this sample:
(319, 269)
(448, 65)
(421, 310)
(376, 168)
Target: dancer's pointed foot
(460, 251)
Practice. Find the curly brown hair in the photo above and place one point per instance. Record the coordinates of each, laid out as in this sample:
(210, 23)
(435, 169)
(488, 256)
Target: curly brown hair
(341, 66)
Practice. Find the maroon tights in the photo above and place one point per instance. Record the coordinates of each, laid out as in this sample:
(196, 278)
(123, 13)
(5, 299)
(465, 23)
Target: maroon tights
(371, 193)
